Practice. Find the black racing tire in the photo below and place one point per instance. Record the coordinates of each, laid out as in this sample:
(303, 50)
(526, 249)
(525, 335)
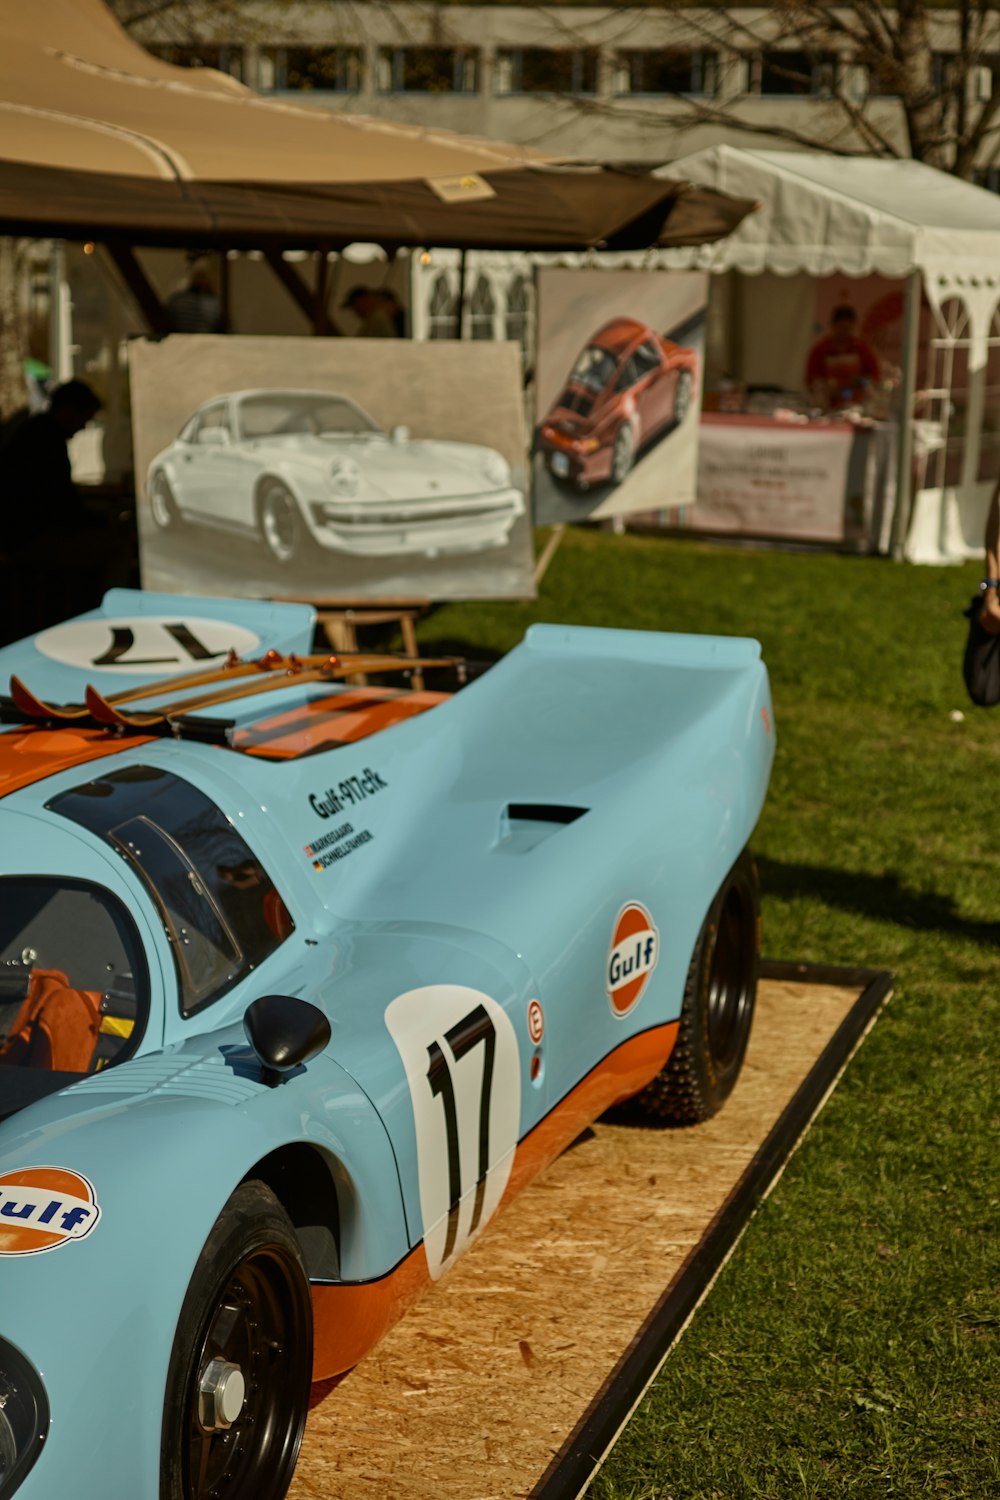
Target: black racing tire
(682, 395)
(281, 523)
(622, 453)
(162, 504)
(247, 1305)
(717, 1013)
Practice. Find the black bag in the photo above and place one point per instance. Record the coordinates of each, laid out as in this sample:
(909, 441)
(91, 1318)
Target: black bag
(981, 663)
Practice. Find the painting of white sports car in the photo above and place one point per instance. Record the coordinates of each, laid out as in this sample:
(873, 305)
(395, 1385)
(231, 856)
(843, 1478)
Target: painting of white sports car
(302, 468)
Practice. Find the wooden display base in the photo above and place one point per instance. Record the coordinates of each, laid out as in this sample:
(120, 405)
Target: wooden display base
(513, 1376)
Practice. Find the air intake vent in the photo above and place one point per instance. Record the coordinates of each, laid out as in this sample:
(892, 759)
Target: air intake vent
(525, 825)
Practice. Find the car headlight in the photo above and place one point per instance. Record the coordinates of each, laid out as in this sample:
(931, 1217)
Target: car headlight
(24, 1418)
(496, 469)
(345, 476)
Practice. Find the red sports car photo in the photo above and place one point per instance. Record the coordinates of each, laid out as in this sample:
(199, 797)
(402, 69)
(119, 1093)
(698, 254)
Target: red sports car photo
(628, 384)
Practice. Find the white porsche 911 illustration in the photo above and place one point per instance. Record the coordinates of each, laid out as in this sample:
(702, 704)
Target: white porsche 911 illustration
(300, 467)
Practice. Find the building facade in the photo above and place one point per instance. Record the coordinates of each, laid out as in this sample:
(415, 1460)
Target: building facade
(639, 83)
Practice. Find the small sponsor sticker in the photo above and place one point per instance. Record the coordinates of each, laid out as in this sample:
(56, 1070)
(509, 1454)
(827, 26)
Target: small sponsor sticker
(536, 1022)
(42, 1208)
(635, 948)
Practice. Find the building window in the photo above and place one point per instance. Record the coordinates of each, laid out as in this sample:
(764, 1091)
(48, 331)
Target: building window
(482, 308)
(442, 309)
(331, 70)
(797, 73)
(517, 324)
(546, 70)
(667, 71)
(428, 70)
(943, 71)
(223, 59)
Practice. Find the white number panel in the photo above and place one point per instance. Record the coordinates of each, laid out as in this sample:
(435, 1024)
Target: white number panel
(460, 1053)
(151, 644)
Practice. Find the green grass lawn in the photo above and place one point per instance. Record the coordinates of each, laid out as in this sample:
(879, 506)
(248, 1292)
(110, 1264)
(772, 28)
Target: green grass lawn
(852, 1345)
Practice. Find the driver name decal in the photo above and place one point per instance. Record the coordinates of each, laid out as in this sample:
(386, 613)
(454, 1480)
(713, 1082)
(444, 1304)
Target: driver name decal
(334, 844)
(337, 844)
(635, 948)
(42, 1208)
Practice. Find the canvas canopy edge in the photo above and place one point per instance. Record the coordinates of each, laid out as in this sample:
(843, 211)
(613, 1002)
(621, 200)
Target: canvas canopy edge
(523, 208)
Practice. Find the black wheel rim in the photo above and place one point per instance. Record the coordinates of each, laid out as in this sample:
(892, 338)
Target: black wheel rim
(259, 1322)
(729, 981)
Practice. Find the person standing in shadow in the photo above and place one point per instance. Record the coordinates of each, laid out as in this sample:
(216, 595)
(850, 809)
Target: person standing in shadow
(51, 560)
(194, 307)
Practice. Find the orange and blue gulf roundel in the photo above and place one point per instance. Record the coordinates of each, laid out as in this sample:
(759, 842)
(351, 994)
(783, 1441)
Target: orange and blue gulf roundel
(635, 948)
(42, 1208)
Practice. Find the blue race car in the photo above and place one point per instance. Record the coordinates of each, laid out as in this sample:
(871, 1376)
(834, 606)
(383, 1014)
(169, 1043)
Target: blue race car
(303, 974)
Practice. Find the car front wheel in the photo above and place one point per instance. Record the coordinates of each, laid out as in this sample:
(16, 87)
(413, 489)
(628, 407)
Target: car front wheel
(682, 396)
(717, 1012)
(162, 502)
(239, 1379)
(281, 523)
(622, 453)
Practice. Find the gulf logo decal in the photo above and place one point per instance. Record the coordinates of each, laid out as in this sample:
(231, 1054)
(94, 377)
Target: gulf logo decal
(635, 948)
(42, 1208)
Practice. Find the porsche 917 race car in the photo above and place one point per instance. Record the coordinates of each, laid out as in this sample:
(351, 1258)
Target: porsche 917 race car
(303, 975)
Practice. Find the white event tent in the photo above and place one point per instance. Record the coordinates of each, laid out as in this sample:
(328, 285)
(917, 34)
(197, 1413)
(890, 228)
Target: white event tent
(824, 215)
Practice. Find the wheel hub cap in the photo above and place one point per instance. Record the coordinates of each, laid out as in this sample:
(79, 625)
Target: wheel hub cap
(221, 1393)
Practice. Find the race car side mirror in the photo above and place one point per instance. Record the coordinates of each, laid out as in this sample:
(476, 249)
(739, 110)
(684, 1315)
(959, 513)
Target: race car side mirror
(284, 1032)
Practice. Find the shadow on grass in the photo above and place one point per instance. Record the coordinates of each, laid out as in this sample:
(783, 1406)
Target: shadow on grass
(879, 897)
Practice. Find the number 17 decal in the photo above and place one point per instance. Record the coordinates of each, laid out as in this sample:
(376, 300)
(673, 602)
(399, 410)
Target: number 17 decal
(460, 1053)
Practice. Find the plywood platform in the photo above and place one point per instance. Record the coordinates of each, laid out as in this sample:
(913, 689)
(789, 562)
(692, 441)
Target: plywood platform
(513, 1375)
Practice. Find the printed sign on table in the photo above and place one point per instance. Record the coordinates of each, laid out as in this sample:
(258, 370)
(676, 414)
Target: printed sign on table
(769, 479)
(618, 390)
(318, 468)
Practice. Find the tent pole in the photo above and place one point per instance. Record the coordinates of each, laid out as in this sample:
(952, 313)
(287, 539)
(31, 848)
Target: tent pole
(904, 455)
(127, 265)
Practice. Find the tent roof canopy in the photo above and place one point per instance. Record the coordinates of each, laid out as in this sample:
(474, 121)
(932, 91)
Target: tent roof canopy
(100, 140)
(853, 215)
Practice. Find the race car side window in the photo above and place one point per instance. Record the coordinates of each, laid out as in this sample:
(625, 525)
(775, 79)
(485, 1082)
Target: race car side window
(218, 905)
(74, 990)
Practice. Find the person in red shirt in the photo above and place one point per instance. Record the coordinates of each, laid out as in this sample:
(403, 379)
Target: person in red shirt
(841, 365)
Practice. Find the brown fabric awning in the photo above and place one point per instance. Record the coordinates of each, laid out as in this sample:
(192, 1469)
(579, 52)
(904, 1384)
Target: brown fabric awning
(100, 140)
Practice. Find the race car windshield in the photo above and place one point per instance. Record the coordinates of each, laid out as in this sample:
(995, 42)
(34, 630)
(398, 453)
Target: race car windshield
(278, 415)
(74, 994)
(593, 369)
(219, 908)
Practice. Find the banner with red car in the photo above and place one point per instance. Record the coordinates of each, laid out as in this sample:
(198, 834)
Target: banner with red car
(618, 391)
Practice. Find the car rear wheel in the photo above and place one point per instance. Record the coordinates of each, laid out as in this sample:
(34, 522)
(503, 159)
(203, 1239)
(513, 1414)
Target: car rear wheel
(682, 396)
(162, 502)
(622, 453)
(239, 1379)
(717, 1012)
(281, 523)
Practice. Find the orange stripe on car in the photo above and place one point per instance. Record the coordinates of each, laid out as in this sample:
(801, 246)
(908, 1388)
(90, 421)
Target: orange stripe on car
(33, 754)
(335, 720)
